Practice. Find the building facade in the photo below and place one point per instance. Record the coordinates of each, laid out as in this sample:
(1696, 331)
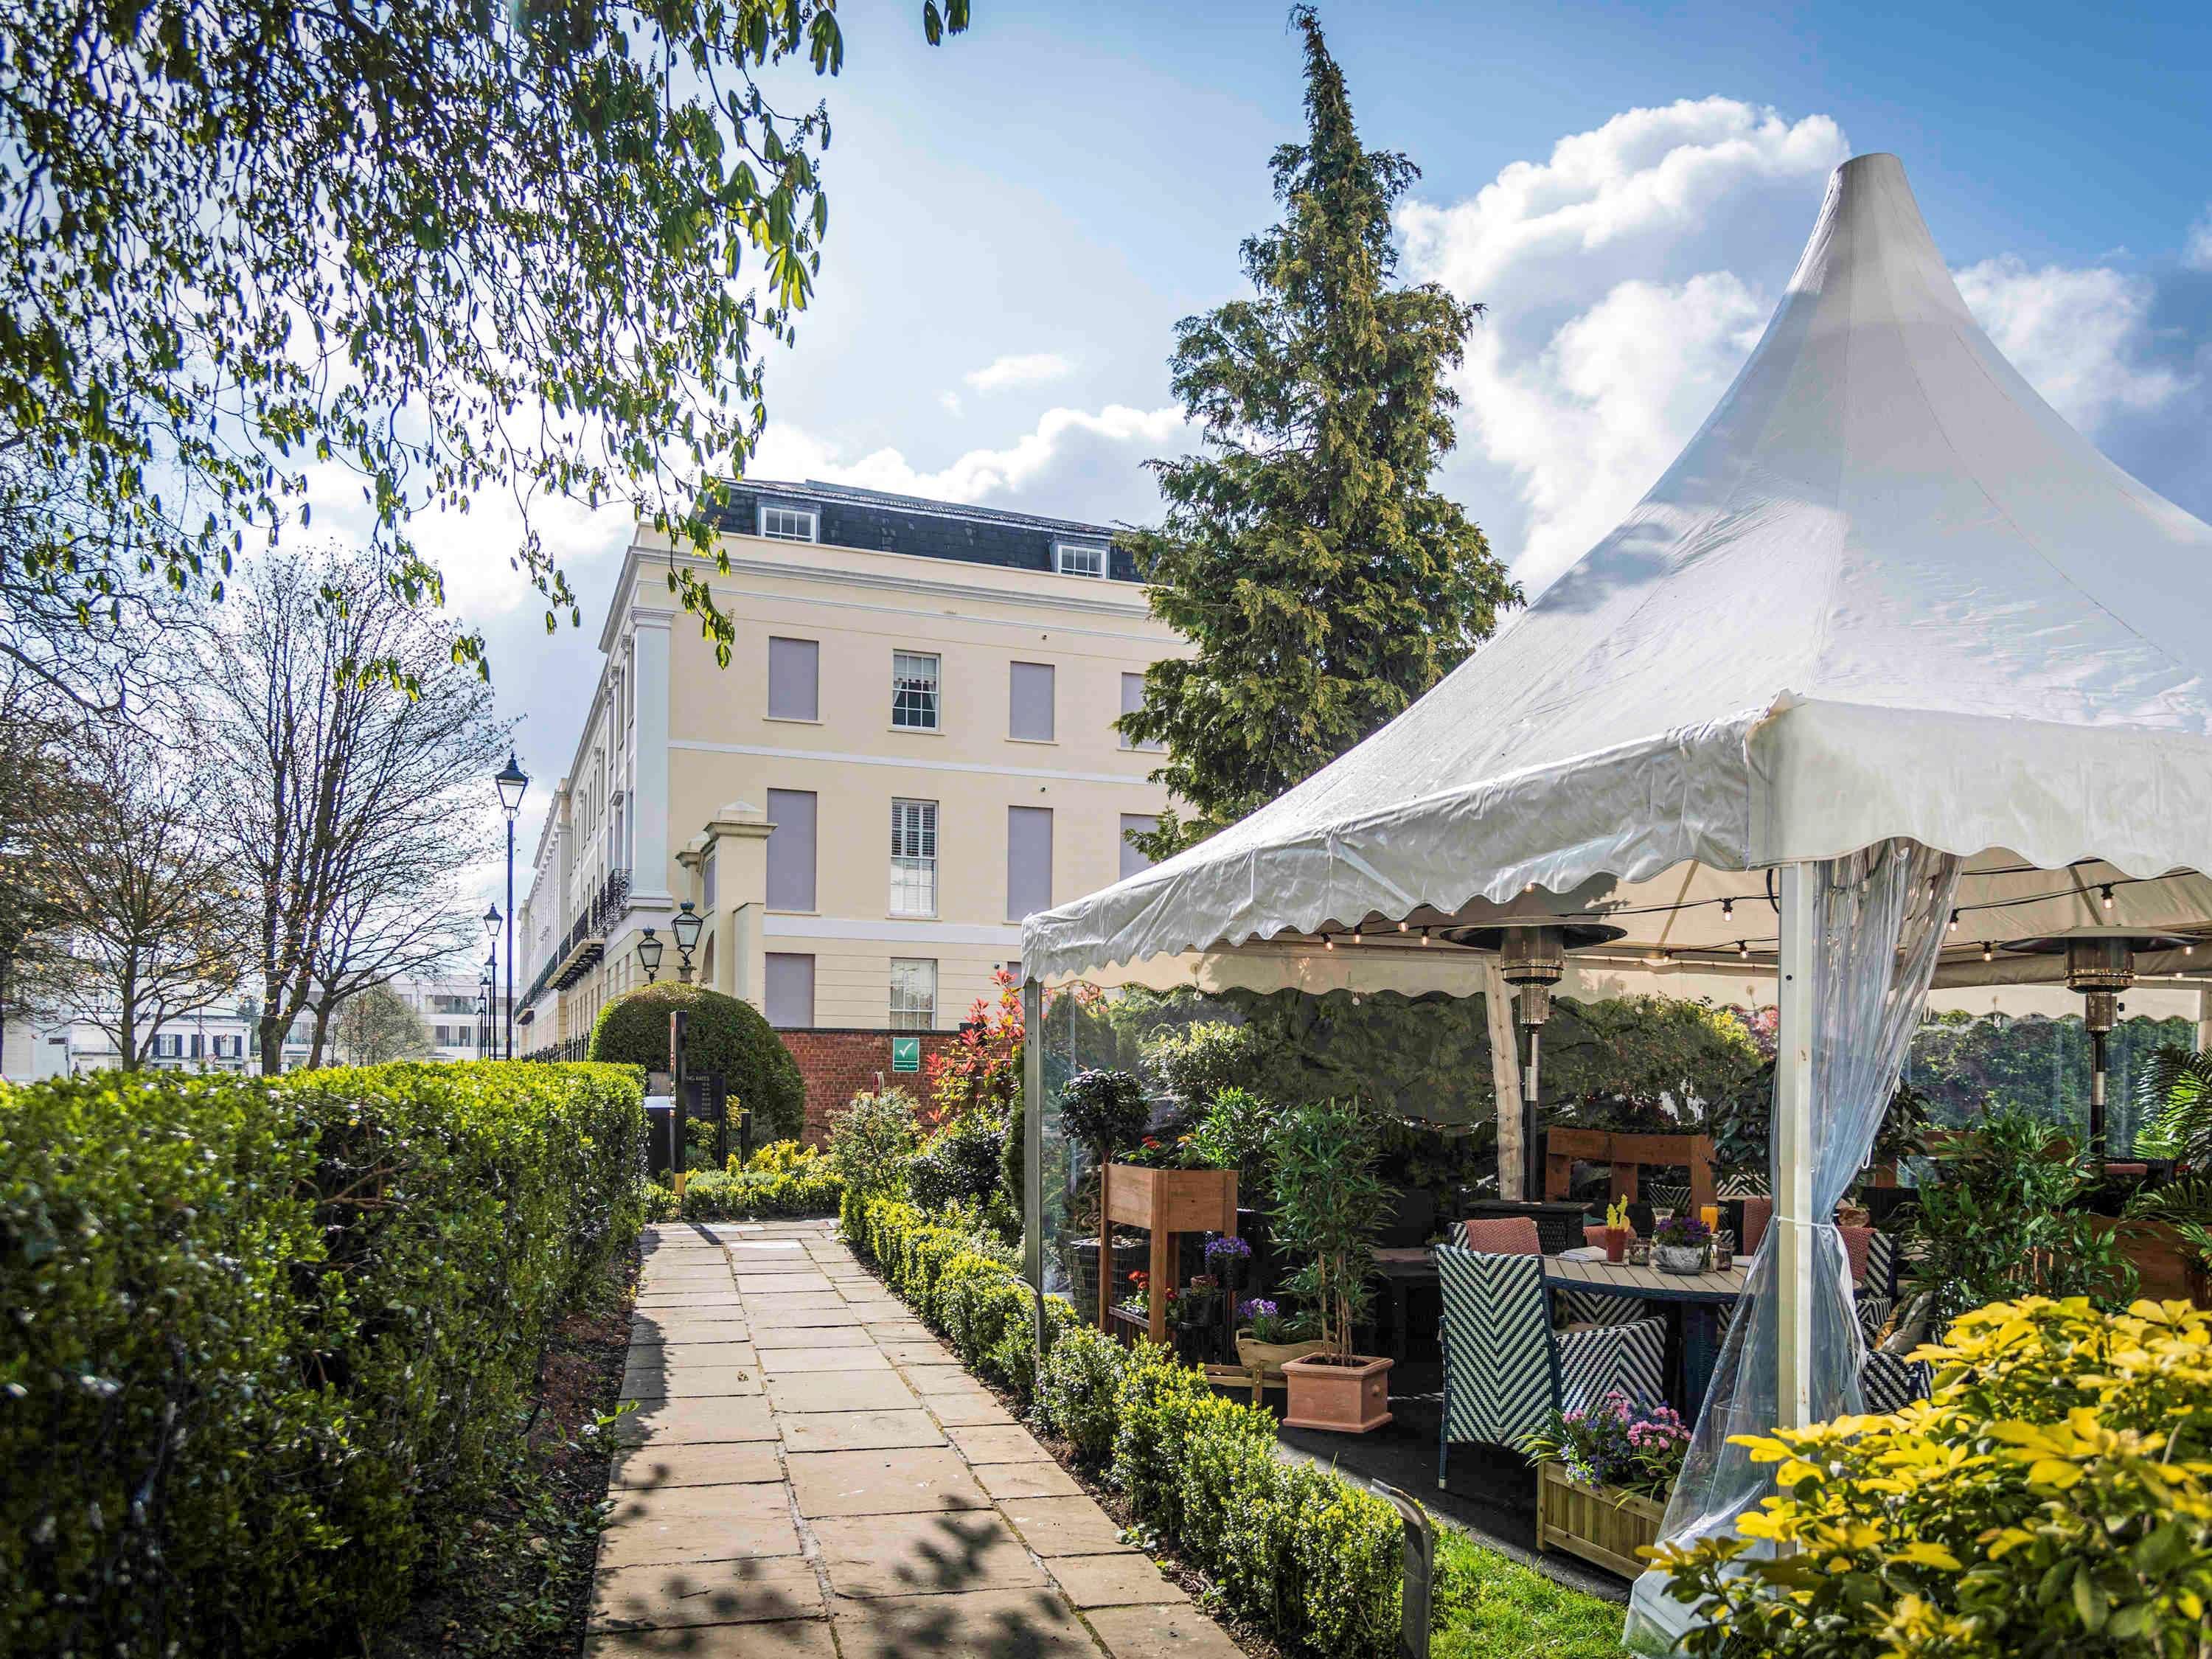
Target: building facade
(910, 750)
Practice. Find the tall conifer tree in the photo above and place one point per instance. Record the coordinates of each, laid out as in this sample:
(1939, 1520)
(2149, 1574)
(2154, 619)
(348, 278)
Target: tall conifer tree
(1324, 584)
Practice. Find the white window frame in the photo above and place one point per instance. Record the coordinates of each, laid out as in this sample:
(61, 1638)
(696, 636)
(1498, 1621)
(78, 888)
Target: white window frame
(906, 682)
(909, 1008)
(1075, 558)
(787, 522)
(913, 858)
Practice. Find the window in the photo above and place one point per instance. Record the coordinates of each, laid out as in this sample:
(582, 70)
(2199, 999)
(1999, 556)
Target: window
(794, 679)
(1141, 824)
(707, 882)
(790, 991)
(791, 849)
(1029, 860)
(1133, 699)
(788, 524)
(442, 1035)
(1080, 558)
(913, 858)
(913, 993)
(169, 1047)
(914, 690)
(1029, 701)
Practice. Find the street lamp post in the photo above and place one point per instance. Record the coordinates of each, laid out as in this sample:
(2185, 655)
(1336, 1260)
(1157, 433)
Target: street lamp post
(648, 956)
(686, 928)
(511, 781)
(491, 920)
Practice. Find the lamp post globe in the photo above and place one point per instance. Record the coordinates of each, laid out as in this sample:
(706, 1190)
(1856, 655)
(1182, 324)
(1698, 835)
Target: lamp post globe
(686, 928)
(648, 955)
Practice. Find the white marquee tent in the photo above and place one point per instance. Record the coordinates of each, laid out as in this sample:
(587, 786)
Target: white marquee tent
(1891, 667)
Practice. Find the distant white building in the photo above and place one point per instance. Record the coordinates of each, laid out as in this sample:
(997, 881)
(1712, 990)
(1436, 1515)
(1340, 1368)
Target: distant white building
(222, 1038)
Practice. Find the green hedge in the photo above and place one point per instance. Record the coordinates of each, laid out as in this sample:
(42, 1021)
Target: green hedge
(724, 1034)
(268, 1340)
(783, 1178)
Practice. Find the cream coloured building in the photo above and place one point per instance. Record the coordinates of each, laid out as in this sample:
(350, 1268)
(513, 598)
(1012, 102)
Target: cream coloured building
(910, 749)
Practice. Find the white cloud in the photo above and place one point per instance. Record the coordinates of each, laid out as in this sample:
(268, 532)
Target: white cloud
(1073, 464)
(1030, 368)
(1627, 277)
(2197, 253)
(949, 402)
(2082, 336)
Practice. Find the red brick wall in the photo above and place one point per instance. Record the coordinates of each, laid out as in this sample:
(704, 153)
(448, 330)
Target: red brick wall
(840, 1064)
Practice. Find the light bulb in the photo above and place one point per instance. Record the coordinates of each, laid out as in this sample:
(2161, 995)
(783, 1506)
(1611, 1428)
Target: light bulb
(1401, 926)
(1987, 955)
(1954, 922)
(1728, 909)
(2105, 893)
(1743, 947)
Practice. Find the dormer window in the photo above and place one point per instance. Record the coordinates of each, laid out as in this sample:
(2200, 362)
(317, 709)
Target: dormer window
(788, 524)
(1080, 558)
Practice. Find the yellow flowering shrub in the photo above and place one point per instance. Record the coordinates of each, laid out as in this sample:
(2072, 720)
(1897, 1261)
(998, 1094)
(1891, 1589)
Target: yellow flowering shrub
(2053, 1497)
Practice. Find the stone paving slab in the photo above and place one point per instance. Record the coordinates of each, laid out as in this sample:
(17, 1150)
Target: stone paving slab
(835, 1432)
(809, 1474)
(732, 1463)
(923, 1554)
(1033, 1623)
(790, 1640)
(697, 1422)
(902, 1482)
(1027, 1481)
(840, 1391)
(1113, 1580)
(674, 1524)
(778, 1587)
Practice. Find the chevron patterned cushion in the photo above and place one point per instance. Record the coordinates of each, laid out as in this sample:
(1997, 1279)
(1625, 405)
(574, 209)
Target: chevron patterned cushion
(1890, 1384)
(1874, 1312)
(1596, 1307)
(1498, 1367)
(1880, 1275)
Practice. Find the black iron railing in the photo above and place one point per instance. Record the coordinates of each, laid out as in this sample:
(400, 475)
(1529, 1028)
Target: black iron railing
(574, 1048)
(562, 967)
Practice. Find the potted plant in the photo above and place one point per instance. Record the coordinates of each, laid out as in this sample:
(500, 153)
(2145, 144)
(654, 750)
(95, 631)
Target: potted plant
(1616, 1230)
(1104, 1111)
(1603, 1477)
(2185, 1208)
(1681, 1244)
(1268, 1339)
(1330, 1201)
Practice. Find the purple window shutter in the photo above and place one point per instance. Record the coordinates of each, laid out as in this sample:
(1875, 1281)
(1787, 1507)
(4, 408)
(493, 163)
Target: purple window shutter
(790, 988)
(1029, 701)
(791, 849)
(794, 679)
(1029, 860)
(1132, 859)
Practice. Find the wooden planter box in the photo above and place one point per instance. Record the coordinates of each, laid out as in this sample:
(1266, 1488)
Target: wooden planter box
(1602, 1524)
(1163, 1202)
(2162, 1261)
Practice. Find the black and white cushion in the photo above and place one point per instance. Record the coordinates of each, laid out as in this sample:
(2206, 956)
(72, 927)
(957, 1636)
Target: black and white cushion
(1506, 1370)
(1890, 1384)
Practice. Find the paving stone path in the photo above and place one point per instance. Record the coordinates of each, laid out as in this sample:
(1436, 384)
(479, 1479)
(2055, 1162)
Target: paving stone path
(811, 1473)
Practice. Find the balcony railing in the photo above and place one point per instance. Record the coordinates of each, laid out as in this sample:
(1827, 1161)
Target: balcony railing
(572, 958)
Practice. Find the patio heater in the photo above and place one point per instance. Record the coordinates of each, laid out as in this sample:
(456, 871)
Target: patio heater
(2100, 963)
(1532, 946)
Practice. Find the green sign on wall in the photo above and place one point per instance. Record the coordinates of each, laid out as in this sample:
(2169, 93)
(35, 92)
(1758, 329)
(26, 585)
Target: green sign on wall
(906, 1053)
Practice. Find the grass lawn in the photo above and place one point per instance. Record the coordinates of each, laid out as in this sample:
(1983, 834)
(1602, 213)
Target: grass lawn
(1500, 1607)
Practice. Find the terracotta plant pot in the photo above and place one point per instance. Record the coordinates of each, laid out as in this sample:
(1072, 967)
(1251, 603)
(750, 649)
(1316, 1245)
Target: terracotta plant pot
(1349, 1396)
(1270, 1357)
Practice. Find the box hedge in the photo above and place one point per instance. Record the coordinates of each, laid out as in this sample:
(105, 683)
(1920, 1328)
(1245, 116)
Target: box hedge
(265, 1340)
(783, 1178)
(1300, 1551)
(724, 1034)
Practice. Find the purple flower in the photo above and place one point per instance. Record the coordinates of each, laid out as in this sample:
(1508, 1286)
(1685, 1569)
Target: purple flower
(1228, 1245)
(1256, 1307)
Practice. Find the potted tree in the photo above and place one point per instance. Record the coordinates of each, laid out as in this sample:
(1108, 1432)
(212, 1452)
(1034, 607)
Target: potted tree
(1104, 1110)
(1329, 1202)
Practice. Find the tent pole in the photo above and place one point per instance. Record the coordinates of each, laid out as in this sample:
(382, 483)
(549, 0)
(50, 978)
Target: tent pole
(1505, 1076)
(1793, 1148)
(1033, 1146)
(2203, 1019)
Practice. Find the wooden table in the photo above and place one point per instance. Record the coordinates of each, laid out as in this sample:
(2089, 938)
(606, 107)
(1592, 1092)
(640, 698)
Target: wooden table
(1698, 1297)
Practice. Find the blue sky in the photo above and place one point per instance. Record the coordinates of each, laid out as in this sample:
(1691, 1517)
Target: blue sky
(1019, 218)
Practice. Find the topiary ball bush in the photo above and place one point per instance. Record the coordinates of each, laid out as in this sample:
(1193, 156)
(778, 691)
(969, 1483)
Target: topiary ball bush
(724, 1034)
